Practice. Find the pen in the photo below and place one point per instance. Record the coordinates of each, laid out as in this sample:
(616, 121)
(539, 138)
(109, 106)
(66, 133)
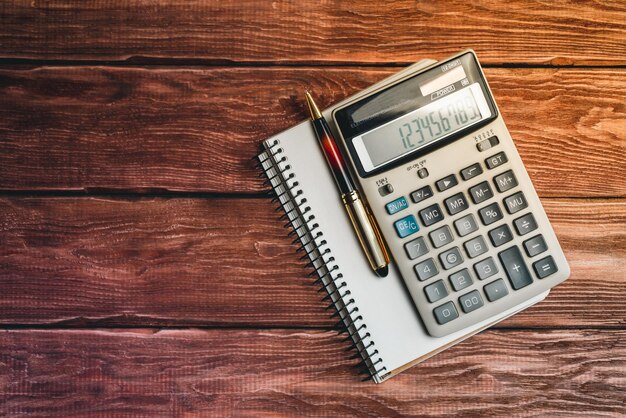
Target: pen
(360, 216)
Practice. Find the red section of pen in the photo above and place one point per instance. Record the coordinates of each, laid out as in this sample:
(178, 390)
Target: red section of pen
(331, 150)
(333, 156)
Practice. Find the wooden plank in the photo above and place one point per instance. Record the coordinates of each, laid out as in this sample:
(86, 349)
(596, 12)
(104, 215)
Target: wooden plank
(289, 373)
(196, 129)
(563, 33)
(108, 262)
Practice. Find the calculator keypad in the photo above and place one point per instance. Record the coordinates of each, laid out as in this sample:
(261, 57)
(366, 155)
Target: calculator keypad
(448, 259)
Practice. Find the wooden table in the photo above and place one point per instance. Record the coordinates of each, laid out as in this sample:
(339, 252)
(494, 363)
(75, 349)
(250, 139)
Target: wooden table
(142, 268)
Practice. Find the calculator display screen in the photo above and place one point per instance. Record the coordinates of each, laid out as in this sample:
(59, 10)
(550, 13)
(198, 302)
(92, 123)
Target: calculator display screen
(415, 114)
(422, 126)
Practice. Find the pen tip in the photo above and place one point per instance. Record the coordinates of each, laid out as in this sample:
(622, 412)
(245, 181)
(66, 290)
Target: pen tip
(313, 109)
(382, 271)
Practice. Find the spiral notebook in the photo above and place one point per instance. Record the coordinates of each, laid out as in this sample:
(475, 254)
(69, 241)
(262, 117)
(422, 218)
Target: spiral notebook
(376, 313)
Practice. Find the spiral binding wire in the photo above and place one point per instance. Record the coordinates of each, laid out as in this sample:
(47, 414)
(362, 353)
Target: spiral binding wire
(289, 199)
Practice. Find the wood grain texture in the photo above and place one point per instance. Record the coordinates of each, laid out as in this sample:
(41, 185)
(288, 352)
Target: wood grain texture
(227, 262)
(195, 130)
(154, 98)
(297, 373)
(556, 33)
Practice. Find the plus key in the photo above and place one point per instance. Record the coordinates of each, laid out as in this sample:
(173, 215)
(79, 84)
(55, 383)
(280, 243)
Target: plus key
(515, 269)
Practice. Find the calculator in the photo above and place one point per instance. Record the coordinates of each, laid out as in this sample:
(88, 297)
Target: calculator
(450, 194)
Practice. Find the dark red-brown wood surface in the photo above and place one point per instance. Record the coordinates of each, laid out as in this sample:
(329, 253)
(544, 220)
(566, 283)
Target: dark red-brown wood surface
(143, 272)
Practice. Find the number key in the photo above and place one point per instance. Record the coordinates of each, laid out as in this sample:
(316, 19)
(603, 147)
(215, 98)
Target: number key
(436, 291)
(426, 269)
(451, 258)
(416, 248)
(440, 237)
(471, 301)
(485, 268)
(460, 280)
(475, 247)
(465, 225)
(445, 313)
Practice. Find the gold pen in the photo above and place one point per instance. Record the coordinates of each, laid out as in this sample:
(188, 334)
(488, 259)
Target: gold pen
(362, 220)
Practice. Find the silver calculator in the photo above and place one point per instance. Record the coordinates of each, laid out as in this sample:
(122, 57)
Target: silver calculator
(451, 196)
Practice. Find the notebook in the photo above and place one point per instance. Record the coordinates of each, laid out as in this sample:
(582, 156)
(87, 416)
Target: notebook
(376, 313)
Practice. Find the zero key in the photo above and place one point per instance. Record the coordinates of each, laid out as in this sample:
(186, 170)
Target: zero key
(445, 313)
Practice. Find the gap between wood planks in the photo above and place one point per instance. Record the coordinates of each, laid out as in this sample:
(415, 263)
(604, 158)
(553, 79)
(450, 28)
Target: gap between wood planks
(169, 194)
(158, 63)
(132, 328)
